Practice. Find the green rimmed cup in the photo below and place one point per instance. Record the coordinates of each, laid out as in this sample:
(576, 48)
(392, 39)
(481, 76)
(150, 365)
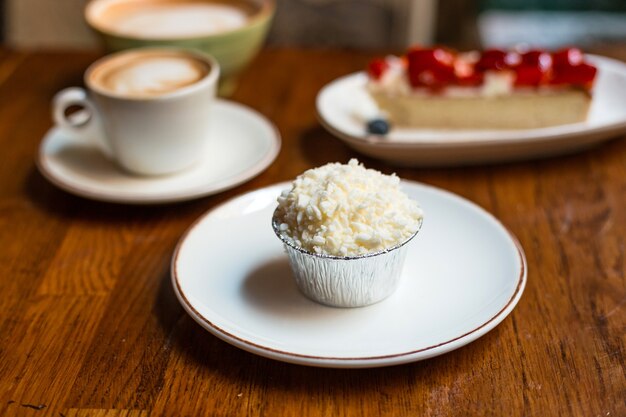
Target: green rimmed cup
(233, 49)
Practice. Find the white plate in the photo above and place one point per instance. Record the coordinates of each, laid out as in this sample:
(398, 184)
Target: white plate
(463, 275)
(244, 144)
(338, 102)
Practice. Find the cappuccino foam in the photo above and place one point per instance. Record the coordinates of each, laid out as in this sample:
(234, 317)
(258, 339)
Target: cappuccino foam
(138, 75)
(161, 20)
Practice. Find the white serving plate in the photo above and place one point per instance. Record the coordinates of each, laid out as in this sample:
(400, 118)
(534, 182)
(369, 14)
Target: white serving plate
(463, 275)
(338, 101)
(243, 144)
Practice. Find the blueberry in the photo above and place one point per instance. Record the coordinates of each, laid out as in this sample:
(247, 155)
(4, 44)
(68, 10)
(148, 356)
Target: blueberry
(378, 127)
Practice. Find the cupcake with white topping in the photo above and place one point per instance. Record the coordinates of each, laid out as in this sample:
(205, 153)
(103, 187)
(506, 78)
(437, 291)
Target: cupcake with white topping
(345, 229)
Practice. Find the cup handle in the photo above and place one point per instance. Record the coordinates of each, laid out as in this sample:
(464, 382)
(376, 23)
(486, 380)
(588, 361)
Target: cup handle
(85, 123)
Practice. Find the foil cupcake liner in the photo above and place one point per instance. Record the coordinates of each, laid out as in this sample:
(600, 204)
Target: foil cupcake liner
(353, 281)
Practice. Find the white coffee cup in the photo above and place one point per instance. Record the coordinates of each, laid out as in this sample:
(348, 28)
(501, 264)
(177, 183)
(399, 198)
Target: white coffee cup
(148, 109)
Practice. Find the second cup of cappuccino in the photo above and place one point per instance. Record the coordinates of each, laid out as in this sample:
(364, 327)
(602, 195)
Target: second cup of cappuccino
(148, 109)
(232, 31)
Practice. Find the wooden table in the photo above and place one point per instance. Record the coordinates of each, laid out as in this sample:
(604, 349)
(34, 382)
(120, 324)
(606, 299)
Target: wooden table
(90, 326)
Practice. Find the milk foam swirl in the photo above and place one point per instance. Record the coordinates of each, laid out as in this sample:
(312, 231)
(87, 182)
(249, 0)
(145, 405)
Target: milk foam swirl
(172, 19)
(149, 74)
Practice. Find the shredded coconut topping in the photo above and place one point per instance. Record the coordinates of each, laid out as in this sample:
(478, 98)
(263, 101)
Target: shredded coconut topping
(346, 210)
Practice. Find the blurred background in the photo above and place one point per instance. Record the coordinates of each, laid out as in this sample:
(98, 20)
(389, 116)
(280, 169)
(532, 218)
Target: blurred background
(365, 24)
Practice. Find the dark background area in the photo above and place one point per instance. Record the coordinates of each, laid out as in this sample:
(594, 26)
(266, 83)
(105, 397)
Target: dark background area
(349, 23)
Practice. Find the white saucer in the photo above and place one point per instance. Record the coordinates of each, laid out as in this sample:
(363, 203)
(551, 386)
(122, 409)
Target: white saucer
(463, 275)
(244, 144)
(338, 102)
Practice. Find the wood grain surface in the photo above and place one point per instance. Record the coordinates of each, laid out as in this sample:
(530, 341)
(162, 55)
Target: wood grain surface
(90, 326)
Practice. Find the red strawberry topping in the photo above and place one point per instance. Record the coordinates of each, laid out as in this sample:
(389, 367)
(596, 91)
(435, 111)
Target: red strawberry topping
(377, 68)
(570, 68)
(535, 58)
(430, 67)
(533, 69)
(580, 75)
(492, 59)
(568, 57)
(466, 73)
(436, 68)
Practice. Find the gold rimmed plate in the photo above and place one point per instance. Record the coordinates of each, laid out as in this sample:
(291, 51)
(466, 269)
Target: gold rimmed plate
(461, 278)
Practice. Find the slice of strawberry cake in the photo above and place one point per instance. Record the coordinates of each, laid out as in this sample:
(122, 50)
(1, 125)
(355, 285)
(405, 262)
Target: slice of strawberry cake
(495, 89)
